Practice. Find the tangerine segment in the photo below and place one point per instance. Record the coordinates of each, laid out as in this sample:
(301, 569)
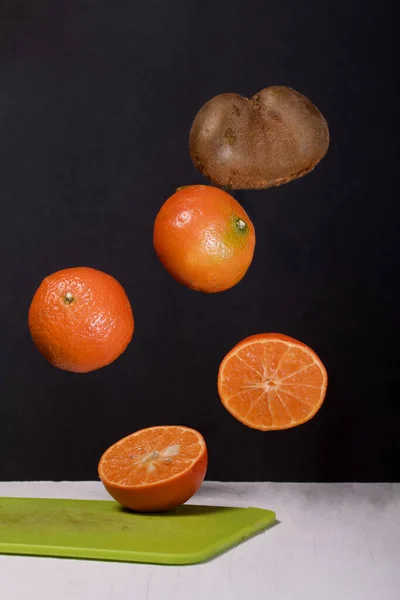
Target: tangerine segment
(272, 381)
(155, 469)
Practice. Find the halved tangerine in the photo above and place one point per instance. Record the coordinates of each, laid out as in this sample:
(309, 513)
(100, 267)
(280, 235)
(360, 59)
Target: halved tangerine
(155, 469)
(272, 381)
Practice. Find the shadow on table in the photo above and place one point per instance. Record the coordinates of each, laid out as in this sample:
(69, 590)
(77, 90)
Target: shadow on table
(219, 489)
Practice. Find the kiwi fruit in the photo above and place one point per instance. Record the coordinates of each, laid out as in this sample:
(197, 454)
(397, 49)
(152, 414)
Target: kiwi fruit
(252, 143)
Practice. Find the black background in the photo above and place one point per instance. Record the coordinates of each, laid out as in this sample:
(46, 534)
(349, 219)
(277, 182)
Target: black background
(96, 102)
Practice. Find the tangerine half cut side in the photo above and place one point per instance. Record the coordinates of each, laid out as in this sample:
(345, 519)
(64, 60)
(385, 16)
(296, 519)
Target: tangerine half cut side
(155, 469)
(271, 381)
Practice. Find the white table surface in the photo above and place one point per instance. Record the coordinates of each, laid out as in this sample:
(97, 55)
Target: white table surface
(332, 542)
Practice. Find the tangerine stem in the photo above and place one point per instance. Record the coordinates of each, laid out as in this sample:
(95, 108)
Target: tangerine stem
(69, 298)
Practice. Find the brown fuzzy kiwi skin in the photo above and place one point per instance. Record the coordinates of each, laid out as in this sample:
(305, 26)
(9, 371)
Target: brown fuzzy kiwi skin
(253, 143)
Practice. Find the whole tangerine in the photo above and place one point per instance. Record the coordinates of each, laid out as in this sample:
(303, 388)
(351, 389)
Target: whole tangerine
(204, 238)
(80, 319)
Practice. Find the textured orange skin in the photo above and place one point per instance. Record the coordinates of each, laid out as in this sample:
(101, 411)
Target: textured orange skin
(91, 331)
(197, 240)
(265, 337)
(162, 495)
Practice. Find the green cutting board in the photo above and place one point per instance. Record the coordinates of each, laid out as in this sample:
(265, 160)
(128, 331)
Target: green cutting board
(102, 530)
